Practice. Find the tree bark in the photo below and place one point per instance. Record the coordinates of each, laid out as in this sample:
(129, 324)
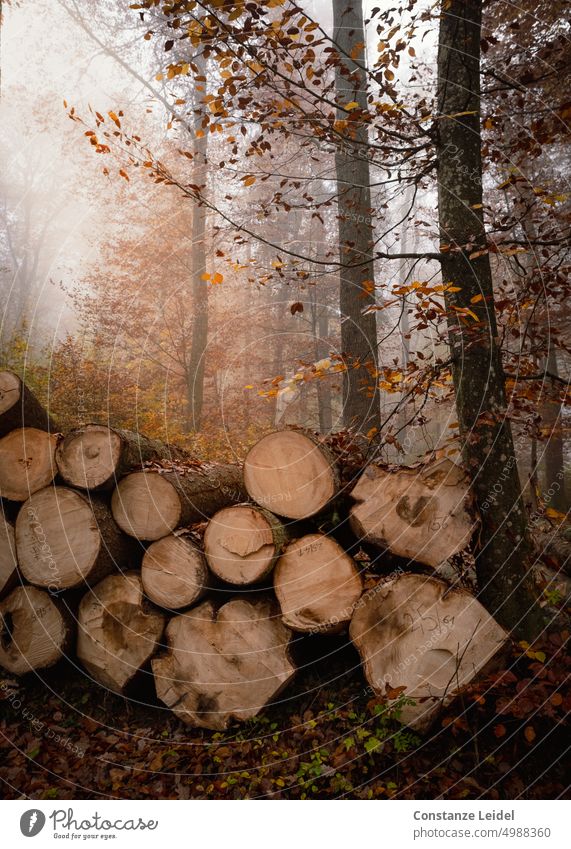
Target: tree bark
(361, 403)
(97, 456)
(149, 505)
(554, 452)
(503, 556)
(19, 407)
(197, 358)
(8, 560)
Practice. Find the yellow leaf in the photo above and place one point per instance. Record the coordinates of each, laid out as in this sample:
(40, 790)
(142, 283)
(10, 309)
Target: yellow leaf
(476, 299)
(552, 513)
(453, 288)
(249, 181)
(205, 276)
(114, 118)
(352, 105)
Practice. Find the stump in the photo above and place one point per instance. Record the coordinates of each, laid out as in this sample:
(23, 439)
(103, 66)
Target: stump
(416, 633)
(317, 584)
(174, 572)
(35, 631)
(27, 462)
(8, 560)
(96, 456)
(118, 631)
(19, 407)
(224, 665)
(291, 473)
(149, 505)
(242, 543)
(420, 513)
(64, 540)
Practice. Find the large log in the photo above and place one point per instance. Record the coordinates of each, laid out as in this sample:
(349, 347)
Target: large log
(174, 572)
(317, 584)
(118, 631)
(242, 543)
(27, 462)
(36, 631)
(417, 633)
(224, 665)
(422, 513)
(292, 474)
(64, 540)
(96, 456)
(19, 407)
(150, 504)
(8, 559)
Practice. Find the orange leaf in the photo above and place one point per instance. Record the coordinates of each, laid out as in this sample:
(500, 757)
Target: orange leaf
(217, 278)
(124, 174)
(499, 730)
(529, 734)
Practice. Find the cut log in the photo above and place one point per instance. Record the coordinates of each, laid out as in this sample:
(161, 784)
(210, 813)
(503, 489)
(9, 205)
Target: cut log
(174, 572)
(150, 504)
(317, 584)
(64, 540)
(96, 456)
(8, 559)
(242, 543)
(19, 407)
(417, 633)
(420, 513)
(27, 462)
(224, 665)
(35, 631)
(291, 473)
(118, 631)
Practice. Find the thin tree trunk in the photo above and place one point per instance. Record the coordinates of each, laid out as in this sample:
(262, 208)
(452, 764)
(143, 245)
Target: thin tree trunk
(554, 453)
(361, 405)
(503, 556)
(199, 286)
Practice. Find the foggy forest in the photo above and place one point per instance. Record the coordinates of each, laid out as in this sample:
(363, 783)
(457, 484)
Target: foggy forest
(284, 385)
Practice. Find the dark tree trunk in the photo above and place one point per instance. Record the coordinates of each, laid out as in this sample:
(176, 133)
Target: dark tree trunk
(554, 452)
(361, 408)
(197, 359)
(503, 556)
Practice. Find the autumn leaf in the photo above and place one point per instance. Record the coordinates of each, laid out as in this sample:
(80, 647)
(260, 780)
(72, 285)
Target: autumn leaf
(476, 299)
(249, 180)
(216, 279)
(124, 174)
(297, 307)
(529, 734)
(500, 730)
(114, 118)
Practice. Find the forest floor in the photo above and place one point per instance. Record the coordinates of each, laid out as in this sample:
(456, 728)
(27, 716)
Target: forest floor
(64, 737)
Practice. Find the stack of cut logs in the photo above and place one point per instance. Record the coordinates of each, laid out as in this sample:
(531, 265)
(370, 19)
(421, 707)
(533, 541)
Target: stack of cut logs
(103, 555)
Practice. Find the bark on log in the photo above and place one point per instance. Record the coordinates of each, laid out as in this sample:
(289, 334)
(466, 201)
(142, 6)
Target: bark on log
(96, 456)
(8, 559)
(118, 631)
(242, 543)
(317, 584)
(224, 665)
(420, 513)
(35, 631)
(19, 407)
(291, 473)
(417, 633)
(149, 505)
(174, 572)
(64, 540)
(27, 462)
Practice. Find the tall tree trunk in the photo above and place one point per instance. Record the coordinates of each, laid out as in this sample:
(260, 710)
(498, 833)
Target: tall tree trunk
(361, 405)
(199, 286)
(554, 453)
(503, 557)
